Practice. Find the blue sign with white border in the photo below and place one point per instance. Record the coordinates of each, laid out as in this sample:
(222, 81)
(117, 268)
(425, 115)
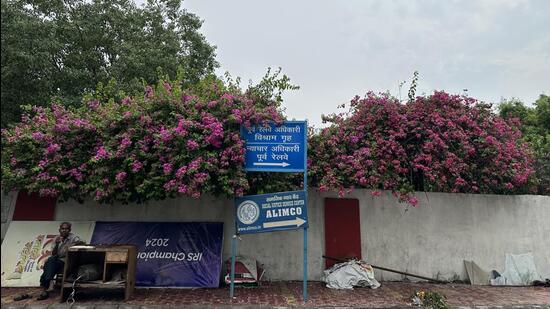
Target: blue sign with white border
(276, 148)
(271, 212)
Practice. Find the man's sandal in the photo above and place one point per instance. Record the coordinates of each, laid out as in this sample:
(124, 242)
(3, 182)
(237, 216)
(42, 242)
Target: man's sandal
(43, 295)
(21, 297)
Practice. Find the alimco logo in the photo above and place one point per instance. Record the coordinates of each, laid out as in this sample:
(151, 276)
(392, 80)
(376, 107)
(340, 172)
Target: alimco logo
(248, 212)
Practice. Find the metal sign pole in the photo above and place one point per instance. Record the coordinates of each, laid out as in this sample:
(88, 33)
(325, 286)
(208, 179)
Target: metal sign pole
(305, 264)
(305, 228)
(233, 253)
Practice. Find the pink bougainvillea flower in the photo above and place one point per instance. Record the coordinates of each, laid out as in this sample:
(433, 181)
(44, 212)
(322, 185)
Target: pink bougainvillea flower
(93, 104)
(192, 145)
(136, 166)
(120, 177)
(167, 168)
(440, 142)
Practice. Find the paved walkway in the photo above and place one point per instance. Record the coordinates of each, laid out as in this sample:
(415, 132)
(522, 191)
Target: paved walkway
(289, 294)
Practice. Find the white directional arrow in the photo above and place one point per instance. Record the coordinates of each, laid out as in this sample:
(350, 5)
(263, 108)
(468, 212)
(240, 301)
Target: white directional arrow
(283, 164)
(297, 222)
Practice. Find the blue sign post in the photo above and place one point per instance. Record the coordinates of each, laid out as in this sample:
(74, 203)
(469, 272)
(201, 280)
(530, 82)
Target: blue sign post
(273, 148)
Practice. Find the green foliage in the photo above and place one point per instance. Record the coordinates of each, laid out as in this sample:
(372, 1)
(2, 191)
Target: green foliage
(514, 108)
(27, 47)
(430, 300)
(535, 127)
(63, 49)
(542, 109)
(271, 87)
(412, 89)
(263, 183)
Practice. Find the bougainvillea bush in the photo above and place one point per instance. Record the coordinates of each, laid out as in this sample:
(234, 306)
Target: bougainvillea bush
(172, 141)
(165, 143)
(442, 142)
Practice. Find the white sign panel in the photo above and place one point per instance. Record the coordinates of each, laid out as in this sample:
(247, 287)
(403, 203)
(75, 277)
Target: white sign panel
(28, 244)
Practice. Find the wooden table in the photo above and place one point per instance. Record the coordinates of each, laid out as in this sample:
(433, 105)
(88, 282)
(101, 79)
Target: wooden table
(112, 258)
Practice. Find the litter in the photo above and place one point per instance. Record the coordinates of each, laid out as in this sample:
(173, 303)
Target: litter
(350, 274)
(476, 274)
(391, 270)
(247, 271)
(519, 270)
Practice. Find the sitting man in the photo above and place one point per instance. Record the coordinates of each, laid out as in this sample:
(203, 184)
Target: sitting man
(55, 263)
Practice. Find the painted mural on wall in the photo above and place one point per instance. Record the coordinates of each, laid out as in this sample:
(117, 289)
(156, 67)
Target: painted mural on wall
(170, 254)
(27, 246)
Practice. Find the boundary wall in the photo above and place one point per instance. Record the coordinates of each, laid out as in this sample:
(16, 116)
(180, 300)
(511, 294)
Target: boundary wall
(431, 239)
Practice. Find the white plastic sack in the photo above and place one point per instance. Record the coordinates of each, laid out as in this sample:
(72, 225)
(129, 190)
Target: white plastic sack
(520, 269)
(350, 274)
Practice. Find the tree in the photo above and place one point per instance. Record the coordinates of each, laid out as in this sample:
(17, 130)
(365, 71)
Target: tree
(448, 142)
(535, 126)
(27, 47)
(63, 49)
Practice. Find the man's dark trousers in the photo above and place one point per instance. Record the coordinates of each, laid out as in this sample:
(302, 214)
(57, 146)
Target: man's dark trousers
(52, 266)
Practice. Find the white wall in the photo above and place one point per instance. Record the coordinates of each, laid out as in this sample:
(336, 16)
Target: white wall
(432, 239)
(8, 206)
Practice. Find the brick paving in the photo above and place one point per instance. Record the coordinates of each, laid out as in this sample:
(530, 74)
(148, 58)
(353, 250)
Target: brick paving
(289, 294)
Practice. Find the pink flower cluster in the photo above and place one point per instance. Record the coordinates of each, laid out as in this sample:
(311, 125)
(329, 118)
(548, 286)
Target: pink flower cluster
(168, 142)
(440, 142)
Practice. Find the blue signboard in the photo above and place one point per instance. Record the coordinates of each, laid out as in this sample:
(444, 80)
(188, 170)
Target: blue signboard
(170, 254)
(273, 148)
(271, 212)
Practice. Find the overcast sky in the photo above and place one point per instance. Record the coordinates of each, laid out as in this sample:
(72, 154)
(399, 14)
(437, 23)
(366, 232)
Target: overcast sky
(335, 50)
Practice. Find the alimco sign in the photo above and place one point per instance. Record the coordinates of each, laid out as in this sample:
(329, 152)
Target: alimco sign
(271, 212)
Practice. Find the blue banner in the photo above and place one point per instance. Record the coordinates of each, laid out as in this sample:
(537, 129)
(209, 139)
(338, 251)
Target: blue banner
(271, 212)
(169, 254)
(275, 148)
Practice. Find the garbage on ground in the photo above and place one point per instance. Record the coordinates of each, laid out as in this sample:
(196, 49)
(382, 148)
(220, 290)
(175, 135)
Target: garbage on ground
(519, 269)
(432, 300)
(247, 271)
(545, 283)
(350, 274)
